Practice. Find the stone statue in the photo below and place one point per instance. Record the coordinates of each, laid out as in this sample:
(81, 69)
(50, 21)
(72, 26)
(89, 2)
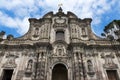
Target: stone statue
(90, 66)
(29, 65)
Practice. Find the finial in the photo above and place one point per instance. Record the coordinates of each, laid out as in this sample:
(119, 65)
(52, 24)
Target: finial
(60, 9)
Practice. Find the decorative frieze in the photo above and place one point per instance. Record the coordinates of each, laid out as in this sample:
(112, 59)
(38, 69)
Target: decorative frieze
(109, 63)
(11, 57)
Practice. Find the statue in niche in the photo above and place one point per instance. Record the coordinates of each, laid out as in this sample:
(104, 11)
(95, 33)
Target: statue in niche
(42, 56)
(108, 60)
(60, 50)
(36, 32)
(90, 68)
(29, 65)
(83, 32)
(76, 56)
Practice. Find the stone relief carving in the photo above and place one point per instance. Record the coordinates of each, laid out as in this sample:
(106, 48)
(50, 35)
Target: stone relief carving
(31, 54)
(84, 32)
(60, 50)
(1, 53)
(39, 66)
(109, 63)
(42, 56)
(10, 63)
(118, 56)
(60, 20)
(36, 34)
(20, 75)
(80, 69)
(91, 71)
(28, 53)
(29, 66)
(60, 23)
(25, 52)
(40, 71)
(90, 66)
(41, 32)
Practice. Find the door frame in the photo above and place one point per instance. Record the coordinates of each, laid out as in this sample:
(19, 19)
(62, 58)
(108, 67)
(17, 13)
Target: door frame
(2, 73)
(112, 70)
(49, 73)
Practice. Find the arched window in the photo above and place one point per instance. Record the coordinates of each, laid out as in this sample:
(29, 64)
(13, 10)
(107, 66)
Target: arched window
(60, 35)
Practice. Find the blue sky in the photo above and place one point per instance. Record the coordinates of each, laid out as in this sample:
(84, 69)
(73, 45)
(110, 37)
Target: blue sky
(14, 14)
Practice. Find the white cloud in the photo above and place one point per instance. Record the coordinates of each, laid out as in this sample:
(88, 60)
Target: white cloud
(22, 25)
(7, 20)
(23, 9)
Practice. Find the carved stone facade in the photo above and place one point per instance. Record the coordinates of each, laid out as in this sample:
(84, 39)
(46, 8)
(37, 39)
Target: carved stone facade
(59, 47)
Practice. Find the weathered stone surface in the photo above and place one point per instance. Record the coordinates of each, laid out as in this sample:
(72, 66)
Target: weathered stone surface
(35, 55)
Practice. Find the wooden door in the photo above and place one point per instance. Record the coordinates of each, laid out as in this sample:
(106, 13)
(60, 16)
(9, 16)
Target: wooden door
(112, 75)
(59, 72)
(7, 74)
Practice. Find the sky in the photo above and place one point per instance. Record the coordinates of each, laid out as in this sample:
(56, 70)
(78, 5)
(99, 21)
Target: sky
(14, 14)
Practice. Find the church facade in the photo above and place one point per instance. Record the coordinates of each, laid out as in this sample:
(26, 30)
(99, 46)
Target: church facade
(59, 47)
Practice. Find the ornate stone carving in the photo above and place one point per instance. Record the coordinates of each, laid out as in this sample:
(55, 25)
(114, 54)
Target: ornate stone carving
(29, 66)
(10, 63)
(1, 53)
(91, 71)
(40, 74)
(60, 50)
(109, 64)
(43, 51)
(60, 20)
(36, 32)
(20, 75)
(84, 34)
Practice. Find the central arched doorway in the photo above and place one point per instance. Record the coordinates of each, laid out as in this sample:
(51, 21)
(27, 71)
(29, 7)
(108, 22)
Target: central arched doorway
(59, 72)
